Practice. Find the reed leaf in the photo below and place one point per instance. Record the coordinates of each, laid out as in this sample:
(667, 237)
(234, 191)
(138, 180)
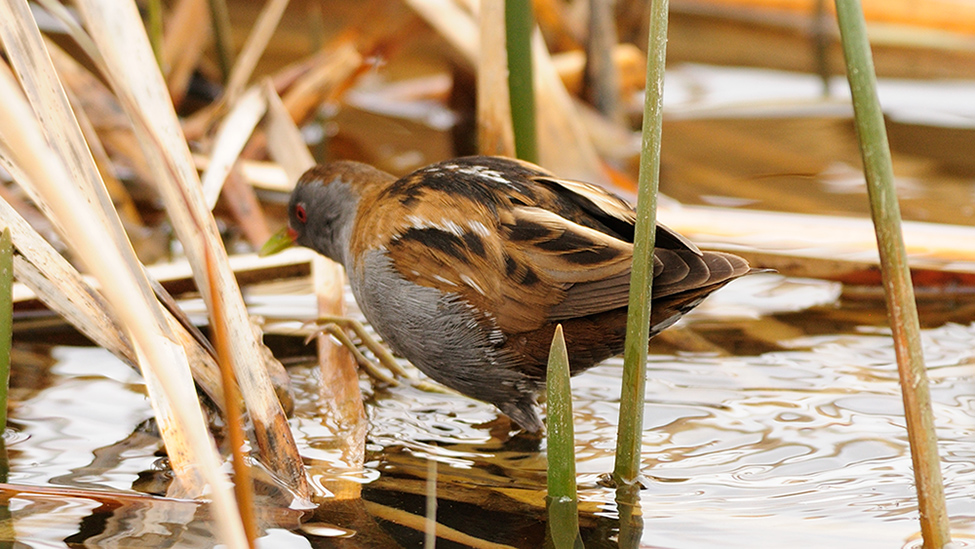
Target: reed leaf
(563, 511)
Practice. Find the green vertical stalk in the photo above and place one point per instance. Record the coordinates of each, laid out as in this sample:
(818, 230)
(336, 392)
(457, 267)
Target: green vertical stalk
(563, 513)
(519, 22)
(901, 307)
(630, 516)
(154, 29)
(638, 320)
(6, 320)
(220, 20)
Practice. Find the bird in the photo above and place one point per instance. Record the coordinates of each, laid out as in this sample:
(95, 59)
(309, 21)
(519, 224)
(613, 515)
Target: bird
(465, 267)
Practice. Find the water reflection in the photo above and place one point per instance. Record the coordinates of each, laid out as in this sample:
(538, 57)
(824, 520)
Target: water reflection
(802, 444)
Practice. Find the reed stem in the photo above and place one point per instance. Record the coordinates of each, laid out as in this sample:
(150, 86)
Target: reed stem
(6, 320)
(901, 307)
(519, 23)
(243, 488)
(220, 18)
(154, 28)
(630, 432)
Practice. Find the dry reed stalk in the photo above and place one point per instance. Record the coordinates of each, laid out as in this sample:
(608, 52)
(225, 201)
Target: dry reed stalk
(187, 33)
(418, 523)
(285, 144)
(164, 364)
(455, 24)
(257, 41)
(118, 32)
(89, 94)
(340, 378)
(495, 134)
(73, 297)
(322, 81)
(259, 174)
(563, 143)
(562, 23)
(602, 81)
(243, 485)
(233, 133)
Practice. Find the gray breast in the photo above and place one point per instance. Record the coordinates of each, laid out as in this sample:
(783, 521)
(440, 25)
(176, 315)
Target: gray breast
(439, 333)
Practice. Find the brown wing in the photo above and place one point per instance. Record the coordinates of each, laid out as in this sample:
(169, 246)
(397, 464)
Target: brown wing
(532, 249)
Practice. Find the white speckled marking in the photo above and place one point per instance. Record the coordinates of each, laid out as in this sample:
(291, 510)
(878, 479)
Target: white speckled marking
(470, 282)
(444, 225)
(479, 228)
(439, 278)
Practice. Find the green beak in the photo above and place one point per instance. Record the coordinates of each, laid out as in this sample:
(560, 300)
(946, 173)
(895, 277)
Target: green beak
(283, 239)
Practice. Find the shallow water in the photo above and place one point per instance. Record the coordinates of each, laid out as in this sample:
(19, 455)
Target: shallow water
(799, 446)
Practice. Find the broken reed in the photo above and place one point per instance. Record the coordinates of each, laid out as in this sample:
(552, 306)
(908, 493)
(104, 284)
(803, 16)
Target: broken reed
(630, 433)
(901, 307)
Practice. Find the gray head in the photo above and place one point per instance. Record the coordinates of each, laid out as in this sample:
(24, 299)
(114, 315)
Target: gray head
(323, 206)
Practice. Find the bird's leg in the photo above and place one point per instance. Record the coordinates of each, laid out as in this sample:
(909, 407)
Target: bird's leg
(370, 368)
(336, 325)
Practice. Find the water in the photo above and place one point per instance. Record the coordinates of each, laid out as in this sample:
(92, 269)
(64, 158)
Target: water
(802, 446)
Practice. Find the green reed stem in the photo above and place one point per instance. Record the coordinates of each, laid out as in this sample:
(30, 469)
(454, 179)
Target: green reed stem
(563, 513)
(6, 320)
(220, 20)
(901, 307)
(519, 23)
(630, 516)
(630, 432)
(154, 29)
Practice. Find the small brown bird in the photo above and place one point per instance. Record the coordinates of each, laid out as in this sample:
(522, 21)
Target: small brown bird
(465, 267)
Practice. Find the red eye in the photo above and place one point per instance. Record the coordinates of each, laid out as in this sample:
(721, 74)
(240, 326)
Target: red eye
(300, 213)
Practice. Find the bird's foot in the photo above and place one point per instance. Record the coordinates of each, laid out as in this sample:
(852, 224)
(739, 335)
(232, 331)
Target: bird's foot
(337, 327)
